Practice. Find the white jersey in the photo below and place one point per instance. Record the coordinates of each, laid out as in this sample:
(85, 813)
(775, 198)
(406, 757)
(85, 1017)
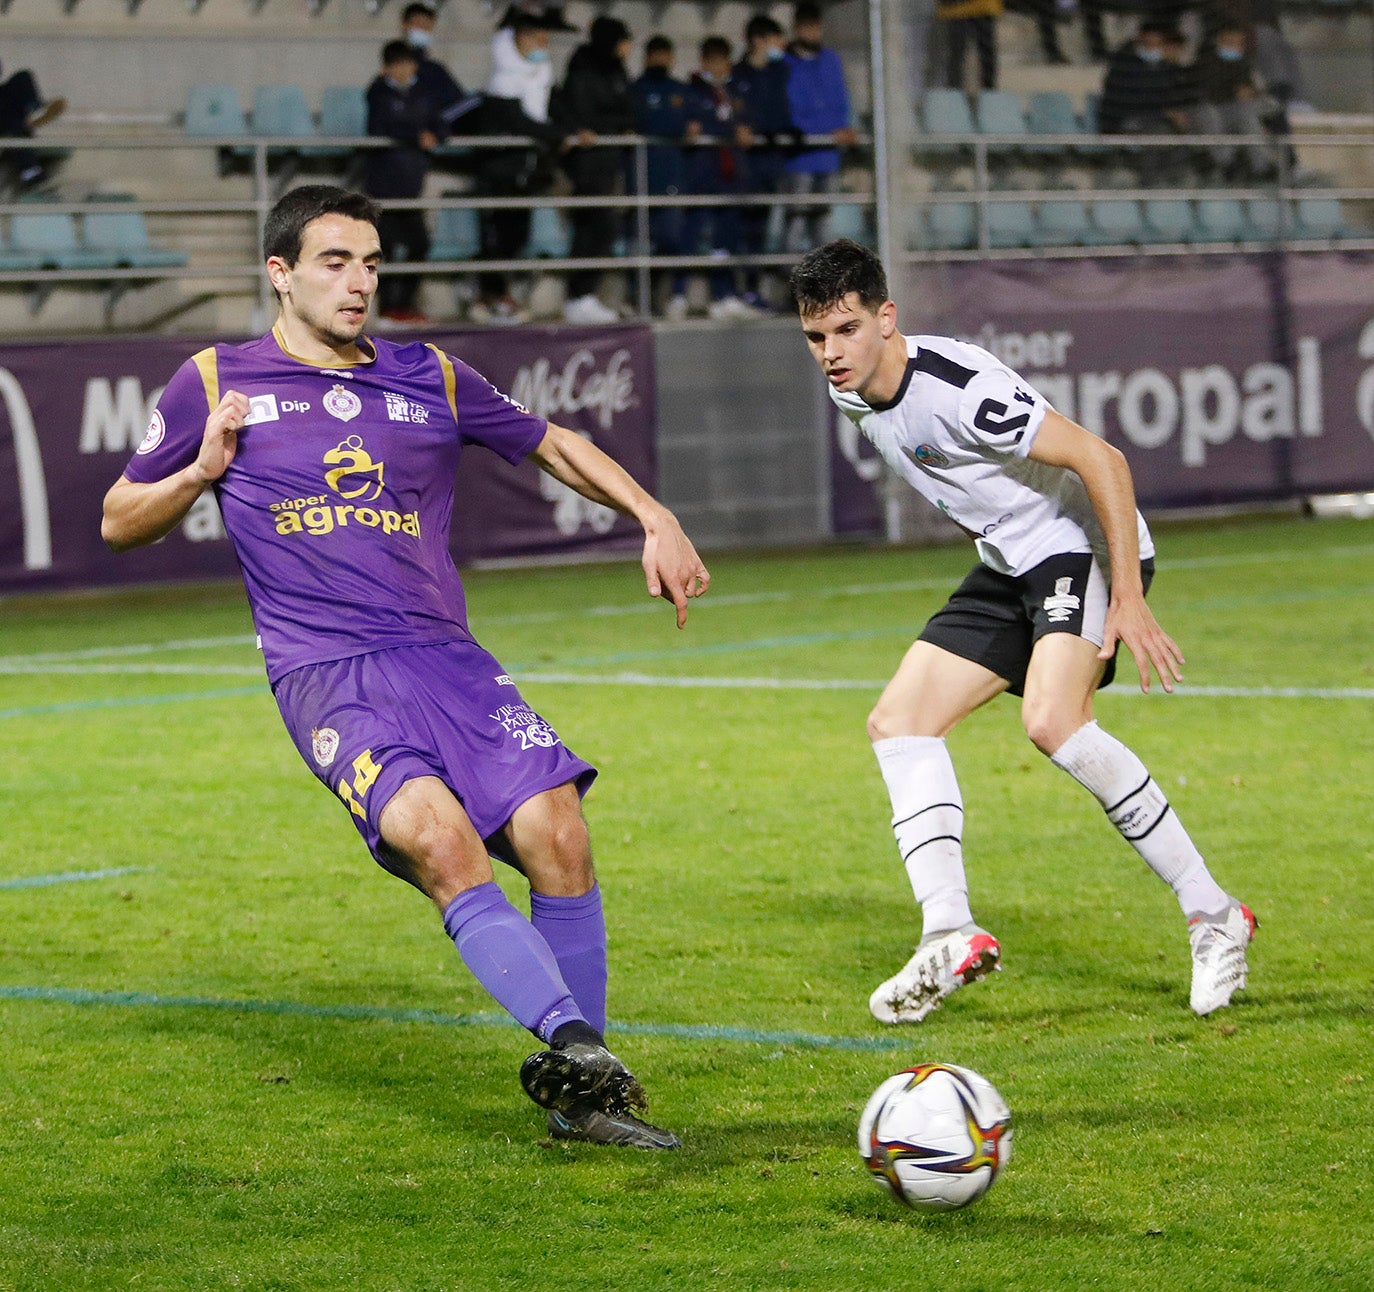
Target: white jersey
(959, 431)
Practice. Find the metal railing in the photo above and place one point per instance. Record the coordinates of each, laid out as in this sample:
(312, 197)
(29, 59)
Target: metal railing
(979, 153)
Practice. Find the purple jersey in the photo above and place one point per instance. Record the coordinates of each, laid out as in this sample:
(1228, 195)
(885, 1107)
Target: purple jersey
(340, 496)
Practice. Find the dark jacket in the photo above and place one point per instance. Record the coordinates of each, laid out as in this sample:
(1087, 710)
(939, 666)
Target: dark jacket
(595, 96)
(764, 105)
(660, 104)
(401, 115)
(1135, 91)
(712, 168)
(512, 171)
(1221, 79)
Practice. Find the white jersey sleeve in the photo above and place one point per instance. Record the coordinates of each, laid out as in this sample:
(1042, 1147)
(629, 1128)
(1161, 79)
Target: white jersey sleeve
(999, 414)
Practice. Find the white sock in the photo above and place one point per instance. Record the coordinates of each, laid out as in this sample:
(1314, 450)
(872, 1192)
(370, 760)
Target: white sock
(928, 820)
(1137, 807)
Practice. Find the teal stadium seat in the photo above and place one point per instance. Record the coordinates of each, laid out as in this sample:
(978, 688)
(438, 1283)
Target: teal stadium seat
(17, 260)
(50, 237)
(1116, 222)
(550, 236)
(944, 113)
(999, 112)
(1050, 112)
(1221, 219)
(213, 111)
(853, 222)
(951, 226)
(1170, 220)
(1268, 219)
(1319, 217)
(282, 110)
(1011, 224)
(343, 112)
(457, 234)
(1064, 224)
(124, 234)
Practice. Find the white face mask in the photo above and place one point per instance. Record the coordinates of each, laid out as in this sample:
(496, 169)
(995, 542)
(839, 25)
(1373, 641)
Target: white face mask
(418, 37)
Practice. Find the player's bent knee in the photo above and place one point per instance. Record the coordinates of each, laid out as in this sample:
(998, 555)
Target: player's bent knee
(1048, 728)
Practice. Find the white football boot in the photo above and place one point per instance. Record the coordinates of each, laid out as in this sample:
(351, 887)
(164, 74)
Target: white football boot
(943, 963)
(1219, 968)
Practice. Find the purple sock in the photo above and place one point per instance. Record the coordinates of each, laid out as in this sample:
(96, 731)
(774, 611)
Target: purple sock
(510, 959)
(575, 929)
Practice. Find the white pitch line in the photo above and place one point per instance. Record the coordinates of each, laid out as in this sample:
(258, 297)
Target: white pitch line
(655, 606)
(862, 684)
(16, 667)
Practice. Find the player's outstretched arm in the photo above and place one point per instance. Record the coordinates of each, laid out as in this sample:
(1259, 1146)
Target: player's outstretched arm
(1107, 478)
(672, 568)
(137, 514)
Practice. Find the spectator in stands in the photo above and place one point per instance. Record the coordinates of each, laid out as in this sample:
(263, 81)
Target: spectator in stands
(965, 20)
(435, 81)
(596, 97)
(713, 169)
(1275, 60)
(22, 110)
(660, 104)
(516, 103)
(759, 81)
(1143, 94)
(819, 102)
(1230, 105)
(401, 111)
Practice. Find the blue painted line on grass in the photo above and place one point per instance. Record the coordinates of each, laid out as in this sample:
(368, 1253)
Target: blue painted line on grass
(385, 1014)
(131, 701)
(71, 877)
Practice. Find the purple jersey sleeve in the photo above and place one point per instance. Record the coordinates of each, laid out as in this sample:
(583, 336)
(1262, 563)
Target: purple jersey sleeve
(176, 429)
(492, 419)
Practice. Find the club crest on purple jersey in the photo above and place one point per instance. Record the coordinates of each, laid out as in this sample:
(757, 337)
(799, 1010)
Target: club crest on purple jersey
(342, 403)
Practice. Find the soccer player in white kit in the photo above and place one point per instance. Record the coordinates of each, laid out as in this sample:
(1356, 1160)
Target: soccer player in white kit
(1064, 562)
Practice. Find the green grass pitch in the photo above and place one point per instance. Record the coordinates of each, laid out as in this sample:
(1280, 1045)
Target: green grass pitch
(234, 1054)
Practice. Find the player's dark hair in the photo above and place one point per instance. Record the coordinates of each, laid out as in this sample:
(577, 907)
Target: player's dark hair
(760, 26)
(715, 46)
(399, 51)
(658, 45)
(285, 226)
(825, 276)
(416, 10)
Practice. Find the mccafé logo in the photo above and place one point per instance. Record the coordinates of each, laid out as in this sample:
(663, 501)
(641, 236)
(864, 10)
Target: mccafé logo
(352, 474)
(578, 385)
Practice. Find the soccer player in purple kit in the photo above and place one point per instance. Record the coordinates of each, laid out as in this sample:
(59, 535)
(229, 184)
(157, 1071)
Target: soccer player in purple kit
(332, 457)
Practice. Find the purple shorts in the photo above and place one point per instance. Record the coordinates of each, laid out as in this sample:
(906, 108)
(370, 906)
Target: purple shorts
(367, 724)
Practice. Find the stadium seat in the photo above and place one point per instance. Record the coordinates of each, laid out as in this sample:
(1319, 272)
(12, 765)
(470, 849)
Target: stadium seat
(549, 234)
(1064, 224)
(1220, 219)
(457, 234)
(1116, 222)
(124, 235)
(998, 112)
(281, 110)
(1319, 217)
(213, 111)
(951, 226)
(50, 237)
(1267, 218)
(853, 222)
(343, 111)
(1050, 112)
(1169, 220)
(1011, 224)
(16, 260)
(943, 113)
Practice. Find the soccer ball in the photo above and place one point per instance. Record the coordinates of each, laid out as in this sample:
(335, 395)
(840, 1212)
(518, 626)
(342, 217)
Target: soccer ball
(935, 1136)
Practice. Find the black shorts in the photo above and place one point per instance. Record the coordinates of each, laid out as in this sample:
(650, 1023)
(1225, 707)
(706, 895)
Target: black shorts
(995, 619)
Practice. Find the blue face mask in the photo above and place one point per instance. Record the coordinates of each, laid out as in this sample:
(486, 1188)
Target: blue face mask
(400, 85)
(1151, 55)
(418, 38)
(537, 56)
(1229, 55)
(775, 55)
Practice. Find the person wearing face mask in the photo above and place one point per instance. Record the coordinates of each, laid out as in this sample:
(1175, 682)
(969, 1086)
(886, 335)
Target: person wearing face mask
(595, 98)
(400, 109)
(516, 103)
(759, 81)
(819, 101)
(1231, 104)
(1143, 94)
(436, 82)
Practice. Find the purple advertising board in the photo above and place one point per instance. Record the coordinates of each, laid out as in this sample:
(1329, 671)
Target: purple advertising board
(1222, 379)
(72, 413)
